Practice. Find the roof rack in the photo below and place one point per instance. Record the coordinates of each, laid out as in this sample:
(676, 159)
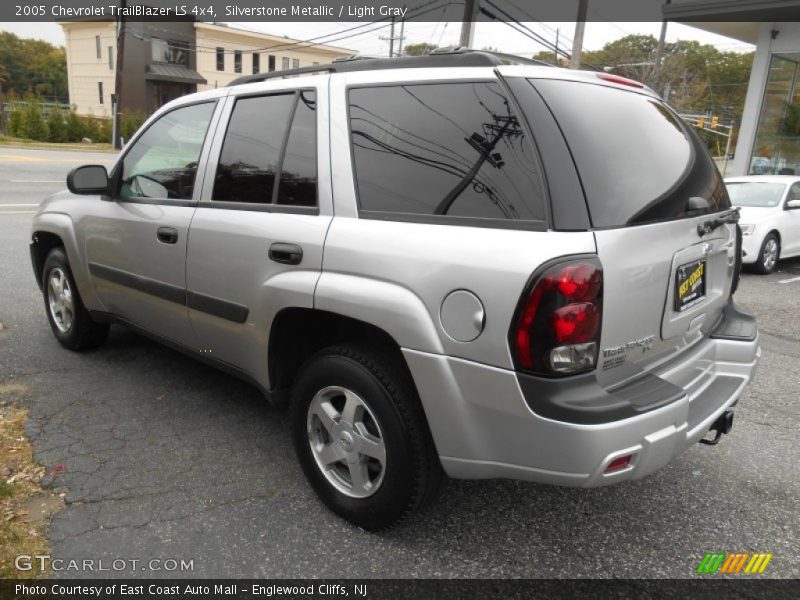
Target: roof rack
(441, 57)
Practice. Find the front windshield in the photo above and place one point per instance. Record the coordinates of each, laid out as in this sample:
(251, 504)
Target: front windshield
(755, 193)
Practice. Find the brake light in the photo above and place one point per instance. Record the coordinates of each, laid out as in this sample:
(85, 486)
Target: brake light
(557, 329)
(620, 80)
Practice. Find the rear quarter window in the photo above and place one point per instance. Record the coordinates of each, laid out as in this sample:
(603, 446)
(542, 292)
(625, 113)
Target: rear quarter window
(443, 152)
(638, 162)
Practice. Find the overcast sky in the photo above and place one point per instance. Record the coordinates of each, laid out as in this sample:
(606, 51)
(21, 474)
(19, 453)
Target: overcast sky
(496, 35)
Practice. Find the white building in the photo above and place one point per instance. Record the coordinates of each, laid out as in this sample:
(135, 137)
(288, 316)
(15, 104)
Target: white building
(164, 60)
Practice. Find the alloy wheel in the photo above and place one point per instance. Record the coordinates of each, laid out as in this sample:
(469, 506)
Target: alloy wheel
(346, 441)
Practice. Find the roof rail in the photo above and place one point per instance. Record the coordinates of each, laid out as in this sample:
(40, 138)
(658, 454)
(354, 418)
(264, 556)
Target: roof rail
(441, 57)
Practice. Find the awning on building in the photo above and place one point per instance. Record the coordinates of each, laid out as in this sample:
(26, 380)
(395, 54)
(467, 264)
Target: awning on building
(173, 73)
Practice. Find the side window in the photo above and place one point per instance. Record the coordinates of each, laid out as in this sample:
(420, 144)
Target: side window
(794, 192)
(162, 163)
(270, 160)
(454, 149)
(298, 184)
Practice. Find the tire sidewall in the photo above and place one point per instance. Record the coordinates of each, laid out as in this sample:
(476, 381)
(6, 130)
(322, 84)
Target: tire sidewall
(760, 265)
(389, 502)
(57, 258)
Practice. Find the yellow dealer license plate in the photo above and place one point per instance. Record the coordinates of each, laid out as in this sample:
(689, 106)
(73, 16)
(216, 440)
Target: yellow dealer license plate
(690, 284)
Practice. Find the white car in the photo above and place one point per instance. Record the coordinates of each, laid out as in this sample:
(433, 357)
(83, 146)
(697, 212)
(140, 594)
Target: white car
(770, 218)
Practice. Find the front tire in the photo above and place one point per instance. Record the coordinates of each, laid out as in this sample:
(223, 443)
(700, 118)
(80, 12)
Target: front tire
(768, 255)
(361, 437)
(70, 321)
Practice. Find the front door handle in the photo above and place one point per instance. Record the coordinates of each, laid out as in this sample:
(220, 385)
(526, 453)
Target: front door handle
(287, 254)
(167, 235)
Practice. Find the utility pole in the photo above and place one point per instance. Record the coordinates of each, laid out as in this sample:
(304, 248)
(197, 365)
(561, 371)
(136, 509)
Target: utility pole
(391, 40)
(118, 79)
(558, 31)
(468, 22)
(392, 37)
(580, 27)
(402, 35)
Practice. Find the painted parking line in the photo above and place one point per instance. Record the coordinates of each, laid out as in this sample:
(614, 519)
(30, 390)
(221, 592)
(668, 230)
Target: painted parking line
(17, 205)
(17, 212)
(789, 280)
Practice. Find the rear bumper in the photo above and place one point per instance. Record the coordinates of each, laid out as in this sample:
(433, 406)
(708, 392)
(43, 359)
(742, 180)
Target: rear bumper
(484, 428)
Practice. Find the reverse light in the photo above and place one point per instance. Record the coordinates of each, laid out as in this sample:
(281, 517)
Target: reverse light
(557, 328)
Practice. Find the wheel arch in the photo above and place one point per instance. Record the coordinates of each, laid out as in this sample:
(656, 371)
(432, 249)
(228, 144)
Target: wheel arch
(297, 333)
(57, 229)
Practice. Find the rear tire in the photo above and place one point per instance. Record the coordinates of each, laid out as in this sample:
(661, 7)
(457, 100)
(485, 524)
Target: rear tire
(70, 321)
(361, 436)
(768, 255)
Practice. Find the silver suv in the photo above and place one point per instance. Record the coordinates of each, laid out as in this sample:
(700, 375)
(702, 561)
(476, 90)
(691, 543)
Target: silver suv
(444, 265)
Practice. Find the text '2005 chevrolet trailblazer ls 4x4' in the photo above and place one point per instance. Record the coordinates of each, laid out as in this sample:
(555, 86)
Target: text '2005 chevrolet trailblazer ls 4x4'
(442, 264)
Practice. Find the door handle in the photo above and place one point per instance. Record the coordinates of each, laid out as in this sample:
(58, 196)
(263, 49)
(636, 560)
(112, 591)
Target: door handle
(287, 254)
(167, 235)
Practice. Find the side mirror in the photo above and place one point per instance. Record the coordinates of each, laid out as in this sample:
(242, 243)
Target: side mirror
(88, 179)
(793, 204)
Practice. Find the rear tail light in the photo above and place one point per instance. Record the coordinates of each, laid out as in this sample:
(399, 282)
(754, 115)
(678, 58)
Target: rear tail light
(557, 328)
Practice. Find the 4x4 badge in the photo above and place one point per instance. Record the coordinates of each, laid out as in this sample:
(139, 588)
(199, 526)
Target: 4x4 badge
(615, 356)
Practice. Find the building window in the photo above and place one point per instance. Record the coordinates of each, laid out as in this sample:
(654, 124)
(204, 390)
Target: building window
(175, 53)
(97, 46)
(296, 63)
(256, 63)
(220, 59)
(111, 58)
(100, 91)
(315, 63)
(285, 63)
(777, 144)
(271, 63)
(237, 61)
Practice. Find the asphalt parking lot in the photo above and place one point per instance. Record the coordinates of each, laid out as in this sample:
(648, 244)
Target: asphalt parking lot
(166, 458)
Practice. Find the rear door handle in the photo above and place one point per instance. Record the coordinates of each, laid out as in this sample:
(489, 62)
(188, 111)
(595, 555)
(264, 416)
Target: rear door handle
(287, 254)
(167, 235)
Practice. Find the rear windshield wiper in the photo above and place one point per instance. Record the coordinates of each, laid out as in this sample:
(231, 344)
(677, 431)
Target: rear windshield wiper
(732, 216)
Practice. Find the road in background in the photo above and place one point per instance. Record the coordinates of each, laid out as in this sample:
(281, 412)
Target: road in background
(28, 176)
(166, 457)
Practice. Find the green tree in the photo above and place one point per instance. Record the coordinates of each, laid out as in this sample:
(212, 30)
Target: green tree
(56, 127)
(33, 125)
(419, 49)
(33, 66)
(75, 129)
(549, 56)
(15, 123)
(130, 123)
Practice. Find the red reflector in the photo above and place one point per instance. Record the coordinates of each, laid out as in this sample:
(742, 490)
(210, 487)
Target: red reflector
(576, 323)
(619, 463)
(620, 80)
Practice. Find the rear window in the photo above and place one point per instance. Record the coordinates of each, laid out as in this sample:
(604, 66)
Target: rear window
(442, 151)
(637, 161)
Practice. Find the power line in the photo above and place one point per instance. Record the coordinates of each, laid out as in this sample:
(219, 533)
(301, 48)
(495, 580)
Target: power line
(308, 43)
